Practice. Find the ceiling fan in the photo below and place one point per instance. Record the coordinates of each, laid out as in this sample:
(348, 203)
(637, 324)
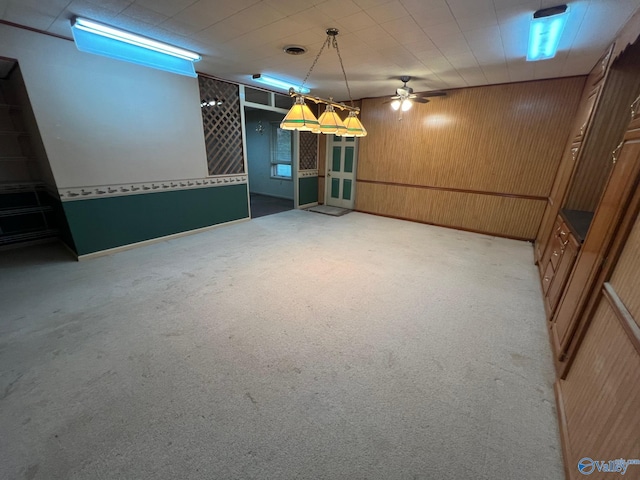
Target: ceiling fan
(404, 97)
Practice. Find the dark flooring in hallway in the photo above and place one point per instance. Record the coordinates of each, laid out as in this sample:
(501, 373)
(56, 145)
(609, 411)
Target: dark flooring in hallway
(262, 205)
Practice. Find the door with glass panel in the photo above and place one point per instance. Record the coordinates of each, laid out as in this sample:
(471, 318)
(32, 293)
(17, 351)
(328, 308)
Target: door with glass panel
(342, 154)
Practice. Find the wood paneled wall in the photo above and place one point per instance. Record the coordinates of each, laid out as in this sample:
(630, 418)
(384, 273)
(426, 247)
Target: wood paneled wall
(601, 397)
(480, 159)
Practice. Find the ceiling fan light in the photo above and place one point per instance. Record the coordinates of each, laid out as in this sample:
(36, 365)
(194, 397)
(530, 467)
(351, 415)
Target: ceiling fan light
(406, 104)
(300, 118)
(330, 122)
(395, 104)
(354, 126)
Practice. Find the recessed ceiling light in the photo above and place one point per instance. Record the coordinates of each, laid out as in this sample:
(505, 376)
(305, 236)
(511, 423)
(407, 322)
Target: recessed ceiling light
(295, 50)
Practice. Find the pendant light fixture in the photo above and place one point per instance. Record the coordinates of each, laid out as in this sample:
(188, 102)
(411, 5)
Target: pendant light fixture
(300, 116)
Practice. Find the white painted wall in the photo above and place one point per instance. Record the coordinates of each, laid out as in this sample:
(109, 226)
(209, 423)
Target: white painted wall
(104, 121)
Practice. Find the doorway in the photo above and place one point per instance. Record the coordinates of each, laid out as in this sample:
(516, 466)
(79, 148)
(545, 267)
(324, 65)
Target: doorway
(269, 162)
(342, 155)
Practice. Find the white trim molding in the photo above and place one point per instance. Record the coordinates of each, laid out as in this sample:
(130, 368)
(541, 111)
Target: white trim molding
(117, 190)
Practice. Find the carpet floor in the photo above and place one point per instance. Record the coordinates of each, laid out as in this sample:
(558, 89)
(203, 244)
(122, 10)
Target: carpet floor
(294, 346)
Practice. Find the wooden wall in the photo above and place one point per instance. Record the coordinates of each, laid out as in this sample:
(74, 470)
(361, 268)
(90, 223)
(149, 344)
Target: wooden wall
(599, 401)
(480, 159)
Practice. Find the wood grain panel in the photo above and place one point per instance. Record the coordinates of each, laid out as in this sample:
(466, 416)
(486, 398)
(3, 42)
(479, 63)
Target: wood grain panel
(601, 395)
(626, 276)
(321, 186)
(606, 132)
(503, 138)
(322, 154)
(494, 215)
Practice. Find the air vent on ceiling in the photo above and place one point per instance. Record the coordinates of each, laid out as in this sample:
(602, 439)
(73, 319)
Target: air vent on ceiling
(295, 50)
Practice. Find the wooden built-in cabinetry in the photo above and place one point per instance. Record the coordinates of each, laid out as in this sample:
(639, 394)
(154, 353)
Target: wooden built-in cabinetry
(563, 249)
(587, 249)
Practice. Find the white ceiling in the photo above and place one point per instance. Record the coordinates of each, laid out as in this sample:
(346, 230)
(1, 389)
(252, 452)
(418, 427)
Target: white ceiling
(441, 43)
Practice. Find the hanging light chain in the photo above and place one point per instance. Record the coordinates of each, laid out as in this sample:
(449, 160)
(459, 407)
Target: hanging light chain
(335, 44)
(316, 60)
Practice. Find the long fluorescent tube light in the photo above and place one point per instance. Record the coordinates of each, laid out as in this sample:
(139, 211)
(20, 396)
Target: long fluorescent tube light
(546, 29)
(274, 82)
(100, 39)
(133, 39)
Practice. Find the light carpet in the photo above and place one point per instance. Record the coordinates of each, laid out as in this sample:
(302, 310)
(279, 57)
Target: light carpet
(294, 346)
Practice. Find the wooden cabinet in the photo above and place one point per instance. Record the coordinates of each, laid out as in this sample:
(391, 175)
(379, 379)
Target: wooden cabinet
(562, 253)
(622, 182)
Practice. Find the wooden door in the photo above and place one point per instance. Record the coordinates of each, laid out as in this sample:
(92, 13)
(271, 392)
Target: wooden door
(342, 154)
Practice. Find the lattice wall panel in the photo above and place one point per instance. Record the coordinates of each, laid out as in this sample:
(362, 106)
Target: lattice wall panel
(222, 126)
(308, 151)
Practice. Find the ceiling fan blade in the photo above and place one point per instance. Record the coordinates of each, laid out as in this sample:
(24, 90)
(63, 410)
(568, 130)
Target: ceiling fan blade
(420, 100)
(433, 94)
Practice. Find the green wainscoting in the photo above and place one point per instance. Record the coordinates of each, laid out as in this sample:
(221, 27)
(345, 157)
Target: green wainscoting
(307, 190)
(102, 223)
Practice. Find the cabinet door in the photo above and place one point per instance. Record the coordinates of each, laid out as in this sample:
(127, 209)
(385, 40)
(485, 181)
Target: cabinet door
(585, 113)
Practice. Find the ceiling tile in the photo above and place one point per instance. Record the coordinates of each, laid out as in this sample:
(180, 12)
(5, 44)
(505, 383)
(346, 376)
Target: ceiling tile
(404, 30)
(469, 8)
(291, 7)
(338, 8)
(475, 22)
(452, 44)
(50, 7)
(425, 44)
(370, 3)
(61, 26)
(28, 15)
(496, 74)
(375, 37)
(387, 12)
(143, 14)
(254, 17)
(520, 70)
(510, 12)
(355, 22)
(116, 6)
(473, 77)
(166, 7)
(442, 30)
(462, 61)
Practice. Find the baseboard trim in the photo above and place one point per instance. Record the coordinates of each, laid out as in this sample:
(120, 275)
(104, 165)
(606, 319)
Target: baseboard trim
(144, 243)
(272, 196)
(564, 429)
(308, 205)
(490, 234)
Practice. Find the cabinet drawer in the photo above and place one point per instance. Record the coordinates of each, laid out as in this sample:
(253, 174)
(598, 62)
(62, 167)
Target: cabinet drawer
(556, 251)
(562, 272)
(547, 278)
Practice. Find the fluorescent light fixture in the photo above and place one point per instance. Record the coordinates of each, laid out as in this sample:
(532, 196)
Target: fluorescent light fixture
(546, 29)
(100, 39)
(277, 83)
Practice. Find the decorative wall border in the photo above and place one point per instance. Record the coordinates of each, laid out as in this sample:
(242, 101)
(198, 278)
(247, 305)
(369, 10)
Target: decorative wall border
(121, 189)
(308, 173)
